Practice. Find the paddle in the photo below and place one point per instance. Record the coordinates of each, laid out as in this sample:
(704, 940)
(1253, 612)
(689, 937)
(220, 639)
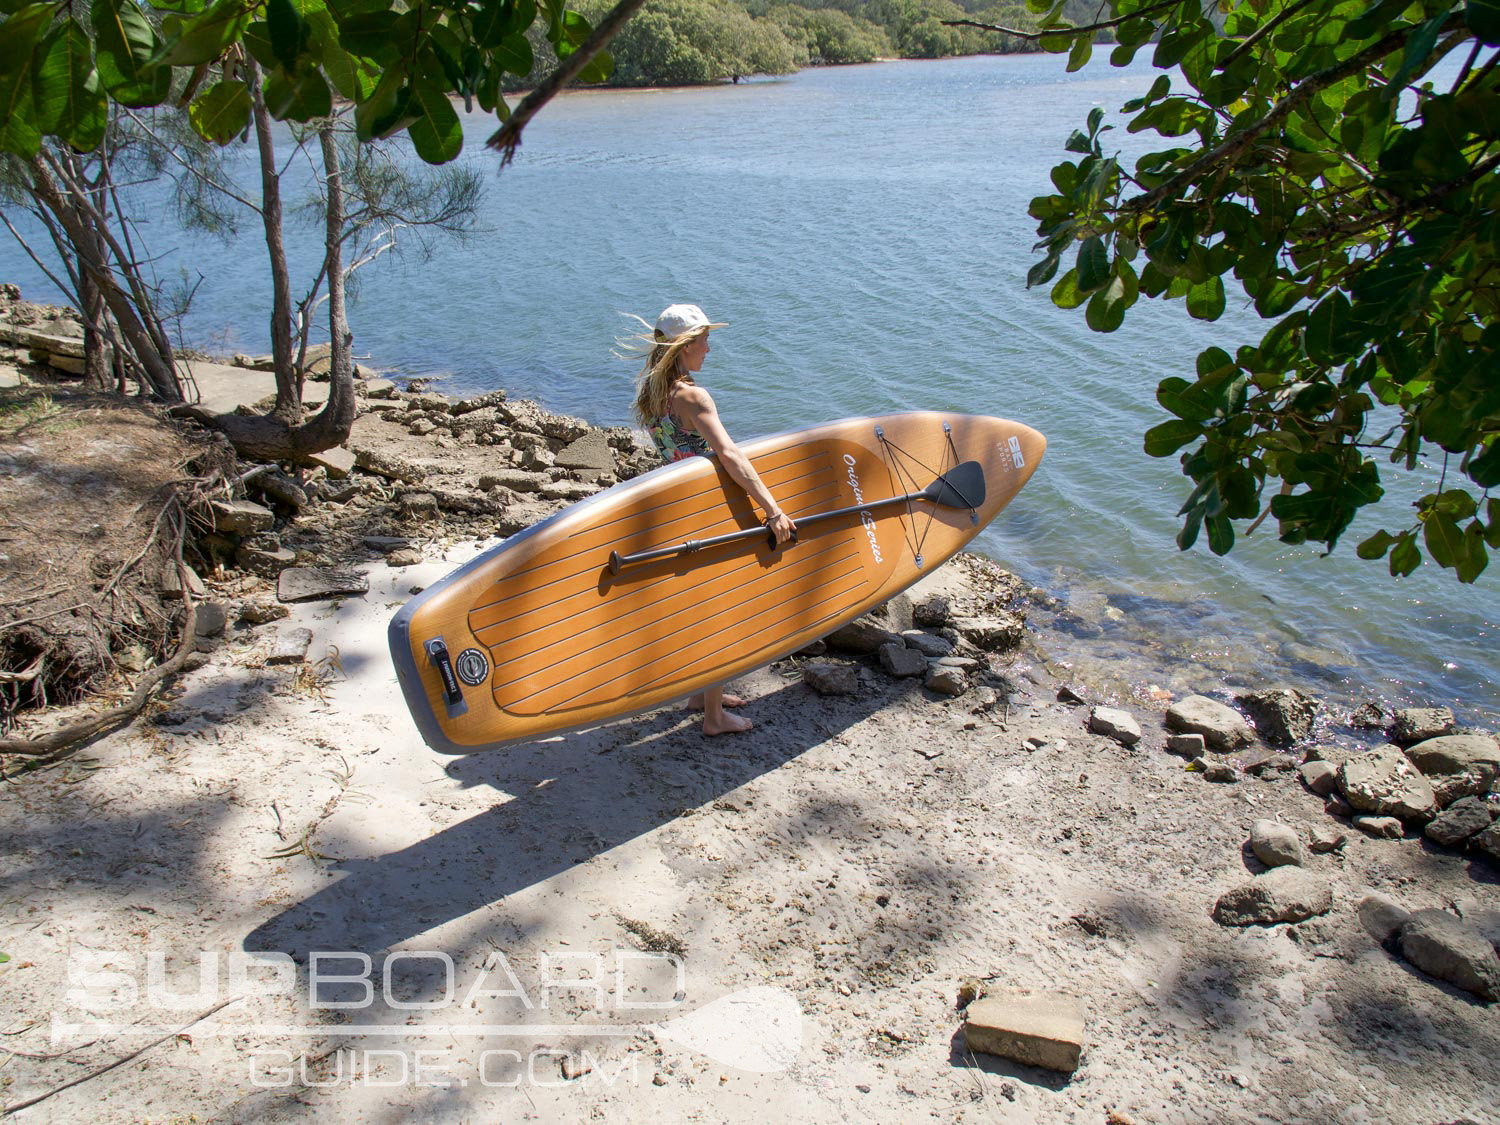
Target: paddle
(960, 487)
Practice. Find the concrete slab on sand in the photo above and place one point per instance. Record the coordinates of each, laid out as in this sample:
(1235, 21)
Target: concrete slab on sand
(221, 387)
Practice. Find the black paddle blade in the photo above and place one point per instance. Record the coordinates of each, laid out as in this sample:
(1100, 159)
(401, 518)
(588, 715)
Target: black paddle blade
(961, 487)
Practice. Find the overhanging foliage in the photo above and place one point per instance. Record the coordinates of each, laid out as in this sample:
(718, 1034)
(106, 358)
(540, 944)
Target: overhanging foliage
(1314, 160)
(397, 64)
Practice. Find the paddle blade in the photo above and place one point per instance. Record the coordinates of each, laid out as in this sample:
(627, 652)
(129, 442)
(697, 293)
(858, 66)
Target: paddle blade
(960, 487)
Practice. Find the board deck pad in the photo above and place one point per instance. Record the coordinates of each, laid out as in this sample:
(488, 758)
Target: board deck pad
(541, 634)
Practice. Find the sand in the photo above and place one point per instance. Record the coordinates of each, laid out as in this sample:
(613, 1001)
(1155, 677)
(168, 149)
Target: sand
(765, 927)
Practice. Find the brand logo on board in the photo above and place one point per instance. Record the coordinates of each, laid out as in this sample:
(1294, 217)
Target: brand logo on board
(864, 517)
(1016, 455)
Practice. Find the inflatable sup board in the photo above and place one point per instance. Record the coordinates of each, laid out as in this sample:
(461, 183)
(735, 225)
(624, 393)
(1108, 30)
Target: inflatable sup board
(661, 586)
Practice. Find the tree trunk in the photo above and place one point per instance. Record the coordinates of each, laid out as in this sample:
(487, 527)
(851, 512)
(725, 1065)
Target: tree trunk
(97, 368)
(288, 406)
(268, 437)
(155, 357)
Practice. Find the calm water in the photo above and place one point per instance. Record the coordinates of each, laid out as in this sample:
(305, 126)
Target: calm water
(864, 230)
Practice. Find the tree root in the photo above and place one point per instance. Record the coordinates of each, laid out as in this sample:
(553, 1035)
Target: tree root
(58, 741)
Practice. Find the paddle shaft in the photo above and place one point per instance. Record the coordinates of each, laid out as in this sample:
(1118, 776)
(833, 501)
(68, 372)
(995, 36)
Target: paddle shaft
(618, 561)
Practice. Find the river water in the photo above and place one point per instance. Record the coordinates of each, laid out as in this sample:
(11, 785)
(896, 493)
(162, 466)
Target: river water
(864, 230)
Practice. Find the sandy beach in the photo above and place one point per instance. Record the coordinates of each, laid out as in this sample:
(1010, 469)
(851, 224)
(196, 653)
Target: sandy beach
(294, 910)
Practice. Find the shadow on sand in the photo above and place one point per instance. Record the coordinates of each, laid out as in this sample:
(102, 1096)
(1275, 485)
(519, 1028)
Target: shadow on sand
(573, 798)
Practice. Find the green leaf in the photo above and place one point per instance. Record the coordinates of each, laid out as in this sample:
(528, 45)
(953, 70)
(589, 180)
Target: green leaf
(1167, 438)
(125, 42)
(1205, 301)
(1190, 525)
(369, 34)
(387, 110)
(599, 68)
(21, 34)
(69, 102)
(1220, 535)
(301, 98)
(1443, 538)
(288, 33)
(205, 37)
(1043, 271)
(1475, 558)
(1093, 265)
(1065, 294)
(515, 55)
(354, 80)
(1106, 311)
(1331, 332)
(1078, 57)
(221, 112)
(1484, 470)
(1405, 557)
(1376, 545)
(1483, 18)
(437, 134)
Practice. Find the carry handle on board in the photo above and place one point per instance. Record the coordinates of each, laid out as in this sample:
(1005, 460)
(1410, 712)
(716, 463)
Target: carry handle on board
(960, 487)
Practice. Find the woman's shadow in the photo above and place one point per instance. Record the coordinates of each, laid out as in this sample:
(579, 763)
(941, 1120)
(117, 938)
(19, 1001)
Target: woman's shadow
(575, 797)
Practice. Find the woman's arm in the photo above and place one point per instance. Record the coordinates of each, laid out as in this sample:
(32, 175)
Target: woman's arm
(696, 408)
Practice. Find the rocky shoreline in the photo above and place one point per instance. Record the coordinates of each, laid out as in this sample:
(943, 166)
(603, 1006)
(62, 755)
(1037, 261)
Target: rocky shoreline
(989, 889)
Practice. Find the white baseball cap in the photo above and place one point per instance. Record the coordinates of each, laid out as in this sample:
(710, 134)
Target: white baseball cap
(676, 320)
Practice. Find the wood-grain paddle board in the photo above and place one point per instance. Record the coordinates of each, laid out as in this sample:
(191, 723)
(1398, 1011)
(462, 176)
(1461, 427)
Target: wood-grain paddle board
(565, 624)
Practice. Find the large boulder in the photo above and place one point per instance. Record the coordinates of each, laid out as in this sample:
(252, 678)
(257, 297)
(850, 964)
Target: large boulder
(1222, 727)
(1457, 765)
(1386, 783)
(1282, 716)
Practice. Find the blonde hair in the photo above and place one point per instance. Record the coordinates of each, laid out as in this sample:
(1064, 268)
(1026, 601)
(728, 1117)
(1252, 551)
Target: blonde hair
(662, 371)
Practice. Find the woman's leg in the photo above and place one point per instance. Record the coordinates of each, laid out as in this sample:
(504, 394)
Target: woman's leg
(729, 700)
(716, 720)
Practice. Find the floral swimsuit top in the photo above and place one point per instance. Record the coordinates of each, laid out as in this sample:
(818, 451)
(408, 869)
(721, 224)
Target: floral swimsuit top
(675, 442)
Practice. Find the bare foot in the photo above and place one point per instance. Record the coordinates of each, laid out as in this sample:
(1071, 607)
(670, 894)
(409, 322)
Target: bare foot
(728, 701)
(727, 724)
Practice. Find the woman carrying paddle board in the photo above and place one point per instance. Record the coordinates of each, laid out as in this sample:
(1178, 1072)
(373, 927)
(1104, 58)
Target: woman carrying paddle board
(683, 422)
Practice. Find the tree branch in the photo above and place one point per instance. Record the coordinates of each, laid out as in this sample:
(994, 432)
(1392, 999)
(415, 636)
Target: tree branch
(508, 138)
(1102, 25)
(1231, 148)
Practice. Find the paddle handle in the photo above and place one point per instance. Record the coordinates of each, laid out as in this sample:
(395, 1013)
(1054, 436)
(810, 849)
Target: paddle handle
(618, 562)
